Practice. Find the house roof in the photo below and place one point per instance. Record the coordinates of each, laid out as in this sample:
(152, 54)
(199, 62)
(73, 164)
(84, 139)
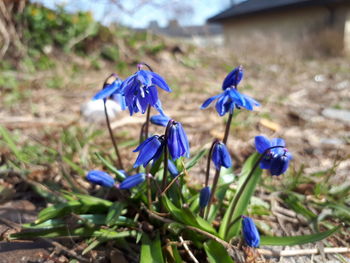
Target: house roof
(258, 6)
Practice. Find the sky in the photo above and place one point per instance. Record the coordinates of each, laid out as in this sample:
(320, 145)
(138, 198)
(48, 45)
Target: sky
(138, 16)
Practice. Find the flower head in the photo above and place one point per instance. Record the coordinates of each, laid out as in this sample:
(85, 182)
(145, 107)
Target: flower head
(161, 120)
(132, 181)
(204, 197)
(172, 169)
(112, 89)
(140, 90)
(111, 86)
(233, 78)
(100, 178)
(229, 100)
(221, 156)
(250, 232)
(150, 149)
(177, 141)
(276, 160)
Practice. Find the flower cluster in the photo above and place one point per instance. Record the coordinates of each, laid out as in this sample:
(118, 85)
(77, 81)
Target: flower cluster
(137, 92)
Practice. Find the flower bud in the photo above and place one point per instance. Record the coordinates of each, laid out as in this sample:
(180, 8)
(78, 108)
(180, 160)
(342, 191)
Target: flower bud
(100, 178)
(204, 197)
(132, 181)
(250, 232)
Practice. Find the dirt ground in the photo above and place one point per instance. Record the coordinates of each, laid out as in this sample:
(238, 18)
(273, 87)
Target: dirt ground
(304, 101)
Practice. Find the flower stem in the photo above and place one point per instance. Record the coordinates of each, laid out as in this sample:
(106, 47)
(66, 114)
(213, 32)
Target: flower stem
(244, 185)
(208, 162)
(227, 129)
(165, 172)
(213, 189)
(120, 163)
(147, 121)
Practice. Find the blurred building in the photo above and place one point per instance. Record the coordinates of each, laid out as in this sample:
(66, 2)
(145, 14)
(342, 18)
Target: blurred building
(209, 34)
(323, 24)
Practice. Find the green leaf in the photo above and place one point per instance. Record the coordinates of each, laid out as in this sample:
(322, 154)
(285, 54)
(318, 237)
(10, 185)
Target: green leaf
(84, 205)
(120, 175)
(225, 231)
(174, 255)
(296, 240)
(74, 166)
(216, 252)
(293, 202)
(114, 213)
(6, 136)
(195, 159)
(151, 250)
(185, 215)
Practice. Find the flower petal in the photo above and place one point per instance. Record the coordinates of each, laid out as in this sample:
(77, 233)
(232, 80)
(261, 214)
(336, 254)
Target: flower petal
(262, 143)
(160, 82)
(208, 101)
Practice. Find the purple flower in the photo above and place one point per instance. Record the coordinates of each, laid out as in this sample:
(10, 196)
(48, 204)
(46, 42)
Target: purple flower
(177, 141)
(230, 98)
(250, 232)
(276, 160)
(140, 90)
(161, 120)
(221, 156)
(132, 181)
(100, 178)
(150, 149)
(204, 197)
(233, 78)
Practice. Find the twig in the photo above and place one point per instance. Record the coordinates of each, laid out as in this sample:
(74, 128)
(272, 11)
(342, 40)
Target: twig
(303, 252)
(188, 250)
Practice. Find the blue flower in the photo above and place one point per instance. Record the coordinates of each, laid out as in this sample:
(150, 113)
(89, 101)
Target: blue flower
(140, 90)
(109, 89)
(113, 91)
(276, 160)
(177, 141)
(229, 100)
(132, 181)
(100, 178)
(150, 149)
(204, 197)
(172, 169)
(221, 156)
(233, 78)
(161, 120)
(250, 232)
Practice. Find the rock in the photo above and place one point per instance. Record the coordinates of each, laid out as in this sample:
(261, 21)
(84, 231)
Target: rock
(342, 115)
(93, 110)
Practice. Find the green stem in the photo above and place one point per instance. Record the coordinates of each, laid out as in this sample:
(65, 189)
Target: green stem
(241, 189)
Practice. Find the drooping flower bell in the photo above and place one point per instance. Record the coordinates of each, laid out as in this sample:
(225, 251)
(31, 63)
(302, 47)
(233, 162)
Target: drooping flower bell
(276, 160)
(230, 98)
(204, 197)
(132, 181)
(160, 120)
(177, 141)
(112, 90)
(140, 90)
(250, 232)
(100, 178)
(221, 156)
(150, 149)
(172, 169)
